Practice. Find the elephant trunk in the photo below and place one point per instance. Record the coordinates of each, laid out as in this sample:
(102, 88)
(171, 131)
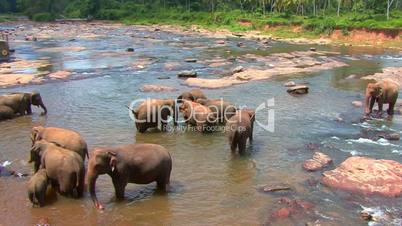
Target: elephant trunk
(92, 177)
(43, 107)
(175, 113)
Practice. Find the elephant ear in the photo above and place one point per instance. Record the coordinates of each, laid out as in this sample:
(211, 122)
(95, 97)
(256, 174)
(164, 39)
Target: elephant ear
(113, 160)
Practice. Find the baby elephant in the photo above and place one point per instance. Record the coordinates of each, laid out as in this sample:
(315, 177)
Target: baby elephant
(37, 186)
(133, 163)
(240, 128)
(64, 168)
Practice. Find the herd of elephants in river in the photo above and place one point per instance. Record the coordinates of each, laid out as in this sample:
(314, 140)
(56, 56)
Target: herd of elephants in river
(58, 155)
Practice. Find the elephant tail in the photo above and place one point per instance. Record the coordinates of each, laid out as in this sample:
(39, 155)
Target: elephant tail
(134, 111)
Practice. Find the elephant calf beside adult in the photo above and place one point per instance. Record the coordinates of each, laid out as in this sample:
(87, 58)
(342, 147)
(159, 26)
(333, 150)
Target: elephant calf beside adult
(14, 104)
(133, 163)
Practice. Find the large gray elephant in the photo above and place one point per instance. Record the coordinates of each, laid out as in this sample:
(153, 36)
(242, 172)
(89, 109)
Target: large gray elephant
(154, 112)
(14, 104)
(65, 138)
(64, 168)
(133, 163)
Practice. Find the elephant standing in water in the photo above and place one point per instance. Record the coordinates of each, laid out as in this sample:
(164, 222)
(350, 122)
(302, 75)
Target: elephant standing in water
(37, 187)
(223, 110)
(133, 163)
(240, 128)
(382, 92)
(154, 112)
(14, 104)
(198, 115)
(65, 138)
(64, 168)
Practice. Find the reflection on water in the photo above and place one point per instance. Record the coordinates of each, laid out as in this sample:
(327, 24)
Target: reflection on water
(209, 184)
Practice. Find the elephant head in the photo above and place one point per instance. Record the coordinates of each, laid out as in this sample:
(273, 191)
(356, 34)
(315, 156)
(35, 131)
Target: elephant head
(171, 103)
(373, 90)
(185, 96)
(101, 161)
(36, 99)
(36, 153)
(35, 134)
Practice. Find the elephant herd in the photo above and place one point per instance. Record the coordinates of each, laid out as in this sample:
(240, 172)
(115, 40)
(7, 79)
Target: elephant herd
(58, 155)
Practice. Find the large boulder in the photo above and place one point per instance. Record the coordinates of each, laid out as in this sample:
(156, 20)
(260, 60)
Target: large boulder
(366, 176)
(187, 74)
(299, 89)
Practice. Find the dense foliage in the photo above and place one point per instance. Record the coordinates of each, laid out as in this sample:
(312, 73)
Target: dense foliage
(319, 15)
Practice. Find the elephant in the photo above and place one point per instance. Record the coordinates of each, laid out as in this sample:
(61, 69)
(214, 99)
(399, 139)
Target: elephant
(191, 95)
(64, 168)
(382, 92)
(65, 138)
(37, 186)
(223, 110)
(132, 163)
(239, 128)
(198, 115)
(14, 104)
(154, 112)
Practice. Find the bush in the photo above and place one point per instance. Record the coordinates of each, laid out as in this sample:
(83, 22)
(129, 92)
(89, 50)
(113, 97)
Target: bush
(43, 17)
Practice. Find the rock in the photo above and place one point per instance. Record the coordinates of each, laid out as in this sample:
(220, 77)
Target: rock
(187, 74)
(313, 49)
(31, 38)
(163, 77)
(60, 75)
(300, 89)
(318, 162)
(240, 44)
(290, 84)
(238, 34)
(366, 176)
(282, 212)
(390, 136)
(353, 76)
(157, 29)
(220, 42)
(237, 69)
(357, 104)
(366, 216)
(190, 60)
(157, 88)
(130, 49)
(275, 188)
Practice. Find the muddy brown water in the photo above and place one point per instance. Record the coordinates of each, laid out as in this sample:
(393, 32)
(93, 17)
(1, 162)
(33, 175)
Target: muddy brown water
(210, 186)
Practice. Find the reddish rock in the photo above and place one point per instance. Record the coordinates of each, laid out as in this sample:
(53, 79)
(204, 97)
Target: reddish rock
(282, 212)
(157, 88)
(318, 162)
(366, 176)
(60, 75)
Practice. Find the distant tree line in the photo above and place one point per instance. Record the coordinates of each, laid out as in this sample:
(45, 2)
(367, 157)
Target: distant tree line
(85, 8)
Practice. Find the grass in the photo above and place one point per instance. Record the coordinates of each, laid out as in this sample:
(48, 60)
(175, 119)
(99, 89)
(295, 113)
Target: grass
(6, 18)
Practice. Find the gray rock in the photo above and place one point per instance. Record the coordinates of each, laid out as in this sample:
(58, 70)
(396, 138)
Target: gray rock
(290, 84)
(187, 74)
(300, 89)
(130, 50)
(190, 60)
(237, 69)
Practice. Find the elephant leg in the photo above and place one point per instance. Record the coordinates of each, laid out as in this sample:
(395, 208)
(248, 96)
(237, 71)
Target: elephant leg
(162, 182)
(380, 107)
(80, 187)
(372, 102)
(390, 110)
(119, 187)
(233, 145)
(242, 145)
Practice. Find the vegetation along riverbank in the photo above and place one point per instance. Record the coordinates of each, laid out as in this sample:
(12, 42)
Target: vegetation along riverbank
(362, 22)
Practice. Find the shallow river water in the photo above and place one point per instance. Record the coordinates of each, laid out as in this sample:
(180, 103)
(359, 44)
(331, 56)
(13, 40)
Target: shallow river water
(210, 186)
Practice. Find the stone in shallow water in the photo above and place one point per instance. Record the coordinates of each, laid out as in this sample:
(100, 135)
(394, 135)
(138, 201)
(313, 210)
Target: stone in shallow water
(187, 74)
(290, 84)
(299, 89)
(157, 88)
(319, 161)
(237, 69)
(357, 104)
(190, 60)
(366, 176)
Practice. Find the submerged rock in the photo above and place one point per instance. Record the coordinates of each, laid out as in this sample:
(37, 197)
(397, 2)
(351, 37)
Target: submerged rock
(60, 75)
(367, 176)
(190, 60)
(237, 69)
(357, 104)
(157, 88)
(319, 161)
(187, 74)
(299, 89)
(290, 84)
(130, 49)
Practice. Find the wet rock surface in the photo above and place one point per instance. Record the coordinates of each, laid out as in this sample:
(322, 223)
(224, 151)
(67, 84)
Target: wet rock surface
(157, 88)
(366, 176)
(298, 89)
(187, 74)
(393, 73)
(319, 161)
